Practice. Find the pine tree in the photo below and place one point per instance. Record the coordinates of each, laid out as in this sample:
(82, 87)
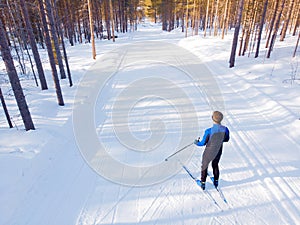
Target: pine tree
(261, 26)
(297, 43)
(50, 54)
(35, 51)
(236, 33)
(54, 39)
(277, 23)
(5, 109)
(92, 28)
(287, 20)
(14, 80)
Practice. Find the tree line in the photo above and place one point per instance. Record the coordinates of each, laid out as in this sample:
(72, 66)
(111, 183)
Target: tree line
(29, 25)
(257, 19)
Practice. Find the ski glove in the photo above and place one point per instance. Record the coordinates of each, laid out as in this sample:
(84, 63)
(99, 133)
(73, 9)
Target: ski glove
(196, 141)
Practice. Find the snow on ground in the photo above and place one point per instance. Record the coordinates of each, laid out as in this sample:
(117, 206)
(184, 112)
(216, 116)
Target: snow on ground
(45, 178)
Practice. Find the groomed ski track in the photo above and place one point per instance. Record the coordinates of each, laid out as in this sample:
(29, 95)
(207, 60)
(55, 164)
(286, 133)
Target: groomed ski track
(259, 186)
(256, 184)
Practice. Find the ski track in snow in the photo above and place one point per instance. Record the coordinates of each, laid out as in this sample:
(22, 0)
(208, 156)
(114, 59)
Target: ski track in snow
(159, 206)
(255, 154)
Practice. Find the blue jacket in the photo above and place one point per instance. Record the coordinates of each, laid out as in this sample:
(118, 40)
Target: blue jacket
(216, 128)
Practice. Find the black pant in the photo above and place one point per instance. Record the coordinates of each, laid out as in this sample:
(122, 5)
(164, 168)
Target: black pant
(215, 166)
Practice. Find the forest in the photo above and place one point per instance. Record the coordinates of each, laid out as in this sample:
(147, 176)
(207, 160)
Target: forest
(26, 26)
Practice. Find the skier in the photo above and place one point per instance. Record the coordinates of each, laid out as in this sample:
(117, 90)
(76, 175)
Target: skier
(213, 139)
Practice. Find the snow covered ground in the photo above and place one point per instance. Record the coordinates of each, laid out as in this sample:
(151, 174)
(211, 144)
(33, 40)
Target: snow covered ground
(83, 165)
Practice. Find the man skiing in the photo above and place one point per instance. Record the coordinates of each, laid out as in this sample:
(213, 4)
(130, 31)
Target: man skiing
(213, 139)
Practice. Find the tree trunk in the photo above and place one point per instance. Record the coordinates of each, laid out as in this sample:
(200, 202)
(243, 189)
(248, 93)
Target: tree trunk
(296, 24)
(164, 16)
(50, 54)
(4, 25)
(53, 34)
(186, 18)
(40, 34)
(287, 21)
(70, 22)
(12, 25)
(61, 37)
(236, 34)
(112, 20)
(225, 19)
(194, 18)
(107, 19)
(261, 27)
(216, 19)
(14, 81)
(206, 18)
(5, 109)
(253, 29)
(211, 17)
(79, 28)
(34, 49)
(92, 28)
(198, 18)
(294, 54)
(271, 26)
(18, 22)
(275, 30)
(250, 26)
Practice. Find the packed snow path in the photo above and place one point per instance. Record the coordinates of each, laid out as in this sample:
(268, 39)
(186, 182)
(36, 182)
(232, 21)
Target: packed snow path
(258, 184)
(260, 172)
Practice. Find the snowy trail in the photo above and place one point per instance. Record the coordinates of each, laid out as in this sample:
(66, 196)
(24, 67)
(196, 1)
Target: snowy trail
(259, 167)
(49, 170)
(164, 206)
(259, 158)
(164, 201)
(261, 194)
(255, 151)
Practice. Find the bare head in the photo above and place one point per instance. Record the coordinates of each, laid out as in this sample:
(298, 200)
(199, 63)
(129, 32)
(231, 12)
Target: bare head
(217, 117)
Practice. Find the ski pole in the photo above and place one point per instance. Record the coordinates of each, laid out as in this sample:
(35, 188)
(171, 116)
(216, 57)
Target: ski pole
(166, 159)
